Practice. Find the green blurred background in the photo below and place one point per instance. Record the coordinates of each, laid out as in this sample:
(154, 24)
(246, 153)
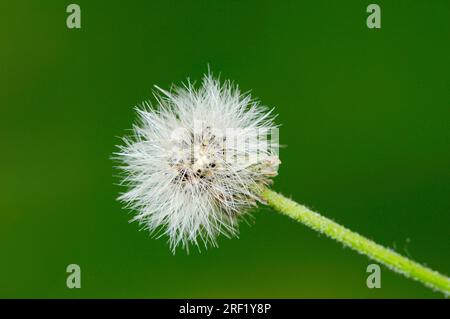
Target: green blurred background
(365, 118)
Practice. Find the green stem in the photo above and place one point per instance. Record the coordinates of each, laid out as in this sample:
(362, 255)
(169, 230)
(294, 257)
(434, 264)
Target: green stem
(357, 242)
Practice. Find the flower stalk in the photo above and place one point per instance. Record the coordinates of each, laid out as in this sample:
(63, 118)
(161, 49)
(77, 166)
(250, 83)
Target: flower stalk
(385, 256)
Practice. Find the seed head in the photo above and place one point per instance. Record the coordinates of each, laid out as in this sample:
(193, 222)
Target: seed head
(195, 160)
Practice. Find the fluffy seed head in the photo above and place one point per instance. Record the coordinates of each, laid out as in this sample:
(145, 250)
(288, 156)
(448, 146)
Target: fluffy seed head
(195, 160)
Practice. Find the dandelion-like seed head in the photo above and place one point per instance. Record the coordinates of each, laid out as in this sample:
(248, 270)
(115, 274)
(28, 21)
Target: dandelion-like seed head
(195, 161)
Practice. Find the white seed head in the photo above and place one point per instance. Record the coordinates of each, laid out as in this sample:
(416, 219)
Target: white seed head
(193, 162)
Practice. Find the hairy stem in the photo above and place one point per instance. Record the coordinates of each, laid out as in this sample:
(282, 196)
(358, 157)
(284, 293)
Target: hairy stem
(365, 246)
